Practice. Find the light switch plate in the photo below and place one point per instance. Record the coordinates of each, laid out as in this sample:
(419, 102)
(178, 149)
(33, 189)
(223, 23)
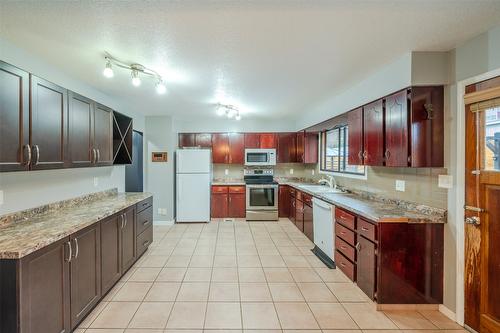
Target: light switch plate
(291, 171)
(445, 181)
(1, 197)
(312, 172)
(400, 185)
(96, 181)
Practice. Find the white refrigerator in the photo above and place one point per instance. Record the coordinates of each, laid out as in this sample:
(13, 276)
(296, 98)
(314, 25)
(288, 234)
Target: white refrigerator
(192, 185)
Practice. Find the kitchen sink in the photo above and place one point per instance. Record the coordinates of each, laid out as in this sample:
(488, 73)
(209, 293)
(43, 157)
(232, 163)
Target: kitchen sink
(320, 189)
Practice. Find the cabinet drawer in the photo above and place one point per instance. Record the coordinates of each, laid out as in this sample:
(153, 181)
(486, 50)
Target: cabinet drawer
(367, 230)
(345, 218)
(219, 189)
(307, 198)
(236, 189)
(144, 219)
(345, 265)
(144, 204)
(144, 240)
(344, 233)
(345, 248)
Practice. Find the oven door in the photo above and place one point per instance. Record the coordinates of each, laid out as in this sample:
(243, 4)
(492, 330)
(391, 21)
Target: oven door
(262, 197)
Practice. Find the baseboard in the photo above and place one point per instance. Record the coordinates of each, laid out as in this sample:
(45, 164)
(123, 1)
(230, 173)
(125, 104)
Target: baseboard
(171, 222)
(412, 307)
(447, 312)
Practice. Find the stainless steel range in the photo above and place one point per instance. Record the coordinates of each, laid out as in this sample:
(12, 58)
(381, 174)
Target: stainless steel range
(262, 195)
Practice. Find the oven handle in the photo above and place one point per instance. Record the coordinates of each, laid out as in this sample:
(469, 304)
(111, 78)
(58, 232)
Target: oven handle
(274, 186)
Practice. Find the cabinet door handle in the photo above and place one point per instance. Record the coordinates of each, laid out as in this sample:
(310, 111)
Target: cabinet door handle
(125, 218)
(387, 154)
(93, 156)
(27, 148)
(122, 220)
(98, 155)
(360, 155)
(365, 155)
(70, 251)
(77, 248)
(358, 246)
(37, 154)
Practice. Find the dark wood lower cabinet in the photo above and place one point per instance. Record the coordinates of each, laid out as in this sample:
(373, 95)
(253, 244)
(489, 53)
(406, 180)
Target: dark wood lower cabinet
(129, 249)
(110, 246)
(308, 221)
(85, 269)
(228, 201)
(299, 214)
(219, 207)
(366, 266)
(237, 205)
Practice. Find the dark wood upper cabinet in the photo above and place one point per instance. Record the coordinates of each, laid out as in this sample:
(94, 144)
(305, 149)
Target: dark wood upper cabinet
(311, 144)
(287, 148)
(220, 148)
(300, 147)
(355, 136)
(111, 264)
(236, 148)
(366, 266)
(427, 127)
(203, 140)
(373, 124)
(396, 130)
(187, 140)
(85, 272)
(45, 281)
(267, 140)
(80, 133)
(128, 241)
(252, 140)
(14, 118)
(49, 116)
(103, 135)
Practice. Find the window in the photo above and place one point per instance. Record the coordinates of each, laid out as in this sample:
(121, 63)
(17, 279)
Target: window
(334, 152)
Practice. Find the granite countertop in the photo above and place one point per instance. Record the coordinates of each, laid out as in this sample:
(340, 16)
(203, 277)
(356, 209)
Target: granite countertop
(377, 209)
(21, 234)
(228, 182)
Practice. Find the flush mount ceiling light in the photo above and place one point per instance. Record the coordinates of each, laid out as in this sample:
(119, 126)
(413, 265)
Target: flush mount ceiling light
(229, 111)
(136, 71)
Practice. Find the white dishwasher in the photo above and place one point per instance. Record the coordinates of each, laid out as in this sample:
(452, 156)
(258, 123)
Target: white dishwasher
(324, 232)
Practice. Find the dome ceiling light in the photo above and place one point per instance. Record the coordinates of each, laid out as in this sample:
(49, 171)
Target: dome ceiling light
(136, 71)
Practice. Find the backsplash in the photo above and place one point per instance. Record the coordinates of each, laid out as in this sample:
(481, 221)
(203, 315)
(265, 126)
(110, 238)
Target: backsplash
(282, 170)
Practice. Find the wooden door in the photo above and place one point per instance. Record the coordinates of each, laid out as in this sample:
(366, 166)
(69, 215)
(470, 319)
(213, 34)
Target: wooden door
(373, 140)
(49, 119)
(300, 150)
(267, 140)
(85, 272)
(203, 140)
(287, 148)
(308, 222)
(14, 119)
(299, 214)
(366, 266)
(111, 263)
(236, 148)
(103, 135)
(284, 201)
(128, 242)
(220, 148)
(45, 290)
(396, 130)
(80, 135)
(187, 140)
(237, 205)
(219, 205)
(311, 144)
(252, 140)
(482, 199)
(355, 137)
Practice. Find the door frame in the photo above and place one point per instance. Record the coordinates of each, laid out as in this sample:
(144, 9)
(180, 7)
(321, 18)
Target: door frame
(460, 191)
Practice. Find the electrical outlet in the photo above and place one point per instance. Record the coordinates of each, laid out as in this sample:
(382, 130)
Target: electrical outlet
(400, 185)
(226, 172)
(445, 181)
(312, 172)
(96, 181)
(1, 197)
(291, 171)
(162, 211)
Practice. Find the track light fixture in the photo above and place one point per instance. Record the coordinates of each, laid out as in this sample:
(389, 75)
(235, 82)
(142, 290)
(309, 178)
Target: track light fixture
(136, 71)
(230, 111)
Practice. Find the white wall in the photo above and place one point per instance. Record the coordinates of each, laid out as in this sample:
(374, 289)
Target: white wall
(230, 125)
(24, 190)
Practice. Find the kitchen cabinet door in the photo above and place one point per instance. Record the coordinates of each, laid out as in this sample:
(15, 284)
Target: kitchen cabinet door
(49, 117)
(284, 201)
(373, 124)
(252, 140)
(45, 291)
(103, 135)
(236, 148)
(267, 140)
(187, 140)
(366, 267)
(85, 272)
(219, 205)
(220, 148)
(14, 118)
(308, 222)
(111, 259)
(80, 134)
(237, 205)
(287, 147)
(300, 149)
(311, 143)
(292, 211)
(396, 130)
(203, 140)
(128, 241)
(299, 214)
(355, 137)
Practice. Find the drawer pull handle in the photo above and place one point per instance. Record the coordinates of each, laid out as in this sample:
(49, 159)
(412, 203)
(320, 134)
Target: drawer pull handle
(342, 232)
(342, 264)
(146, 243)
(146, 222)
(343, 247)
(364, 228)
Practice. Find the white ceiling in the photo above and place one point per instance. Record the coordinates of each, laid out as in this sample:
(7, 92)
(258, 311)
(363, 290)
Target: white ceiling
(270, 58)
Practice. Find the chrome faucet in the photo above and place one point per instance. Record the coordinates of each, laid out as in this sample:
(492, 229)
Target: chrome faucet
(330, 181)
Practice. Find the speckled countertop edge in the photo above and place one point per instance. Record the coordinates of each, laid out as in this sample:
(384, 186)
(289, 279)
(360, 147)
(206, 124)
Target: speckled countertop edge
(24, 235)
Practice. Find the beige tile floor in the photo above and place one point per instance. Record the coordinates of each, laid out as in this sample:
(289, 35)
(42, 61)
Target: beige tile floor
(230, 277)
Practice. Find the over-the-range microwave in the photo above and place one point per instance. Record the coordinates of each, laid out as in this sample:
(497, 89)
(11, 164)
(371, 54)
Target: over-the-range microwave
(260, 157)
